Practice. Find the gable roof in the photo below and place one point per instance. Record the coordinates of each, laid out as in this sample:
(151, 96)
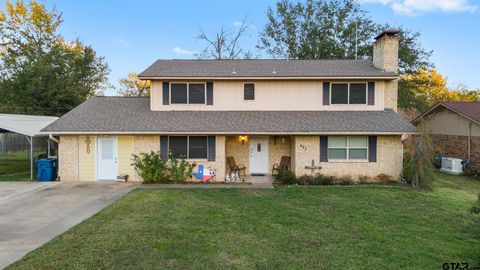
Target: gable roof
(110, 115)
(264, 68)
(469, 110)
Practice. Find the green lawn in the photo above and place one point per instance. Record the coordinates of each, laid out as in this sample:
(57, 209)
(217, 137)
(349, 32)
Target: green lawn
(17, 166)
(14, 170)
(21, 155)
(360, 227)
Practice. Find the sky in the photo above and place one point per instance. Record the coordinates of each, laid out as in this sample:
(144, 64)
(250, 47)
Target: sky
(131, 35)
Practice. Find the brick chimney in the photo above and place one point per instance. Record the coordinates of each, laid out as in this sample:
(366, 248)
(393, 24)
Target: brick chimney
(385, 51)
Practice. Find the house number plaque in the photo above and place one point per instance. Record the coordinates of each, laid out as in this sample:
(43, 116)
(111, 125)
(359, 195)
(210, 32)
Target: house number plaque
(88, 142)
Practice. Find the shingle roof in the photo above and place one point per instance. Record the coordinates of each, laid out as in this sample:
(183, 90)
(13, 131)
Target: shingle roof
(467, 109)
(132, 115)
(470, 109)
(264, 68)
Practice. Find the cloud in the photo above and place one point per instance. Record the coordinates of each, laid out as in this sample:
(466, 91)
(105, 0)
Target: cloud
(237, 24)
(179, 50)
(122, 42)
(415, 7)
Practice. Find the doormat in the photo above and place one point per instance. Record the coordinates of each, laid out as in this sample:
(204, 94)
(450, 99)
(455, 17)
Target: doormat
(258, 174)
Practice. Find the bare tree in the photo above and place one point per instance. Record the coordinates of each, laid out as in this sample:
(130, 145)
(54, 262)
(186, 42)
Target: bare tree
(225, 44)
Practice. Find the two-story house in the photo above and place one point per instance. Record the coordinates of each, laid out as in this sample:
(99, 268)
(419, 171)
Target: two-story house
(339, 113)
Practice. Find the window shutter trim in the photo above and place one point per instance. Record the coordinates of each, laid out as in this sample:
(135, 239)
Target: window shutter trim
(372, 148)
(166, 93)
(326, 93)
(371, 93)
(211, 148)
(209, 93)
(323, 148)
(164, 147)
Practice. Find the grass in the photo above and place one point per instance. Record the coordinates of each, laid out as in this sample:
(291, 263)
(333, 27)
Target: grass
(361, 227)
(21, 155)
(14, 170)
(17, 166)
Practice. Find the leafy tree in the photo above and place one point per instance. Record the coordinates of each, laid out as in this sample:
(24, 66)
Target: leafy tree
(317, 29)
(41, 73)
(134, 87)
(426, 87)
(337, 29)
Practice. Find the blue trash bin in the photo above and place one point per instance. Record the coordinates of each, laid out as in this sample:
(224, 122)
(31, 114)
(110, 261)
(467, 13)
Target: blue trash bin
(46, 169)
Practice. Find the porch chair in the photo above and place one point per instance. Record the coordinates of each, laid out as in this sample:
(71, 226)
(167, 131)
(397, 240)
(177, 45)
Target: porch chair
(283, 166)
(234, 167)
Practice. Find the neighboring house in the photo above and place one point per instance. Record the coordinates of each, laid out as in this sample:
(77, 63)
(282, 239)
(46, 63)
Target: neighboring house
(455, 129)
(339, 113)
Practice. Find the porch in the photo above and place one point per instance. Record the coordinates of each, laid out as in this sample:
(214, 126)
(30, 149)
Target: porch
(257, 154)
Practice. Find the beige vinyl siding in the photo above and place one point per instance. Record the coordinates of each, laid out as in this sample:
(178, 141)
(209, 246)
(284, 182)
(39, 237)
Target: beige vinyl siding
(275, 95)
(86, 160)
(446, 122)
(125, 151)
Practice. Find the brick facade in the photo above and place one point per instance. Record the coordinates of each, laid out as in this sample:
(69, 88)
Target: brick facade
(68, 158)
(301, 149)
(389, 159)
(457, 146)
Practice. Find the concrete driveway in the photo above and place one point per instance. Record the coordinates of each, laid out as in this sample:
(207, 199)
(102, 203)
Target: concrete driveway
(33, 213)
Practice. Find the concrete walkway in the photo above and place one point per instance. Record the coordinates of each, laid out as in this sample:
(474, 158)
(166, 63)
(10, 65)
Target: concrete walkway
(32, 213)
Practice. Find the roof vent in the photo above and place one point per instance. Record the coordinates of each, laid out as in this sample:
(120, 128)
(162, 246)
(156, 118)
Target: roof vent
(234, 72)
(274, 71)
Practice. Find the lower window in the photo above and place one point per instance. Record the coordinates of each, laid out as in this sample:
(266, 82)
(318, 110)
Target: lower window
(347, 147)
(188, 147)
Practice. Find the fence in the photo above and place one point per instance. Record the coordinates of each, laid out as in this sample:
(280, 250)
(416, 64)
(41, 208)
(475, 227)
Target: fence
(17, 146)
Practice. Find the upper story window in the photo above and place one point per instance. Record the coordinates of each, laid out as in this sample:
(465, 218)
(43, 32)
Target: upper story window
(187, 93)
(348, 93)
(249, 91)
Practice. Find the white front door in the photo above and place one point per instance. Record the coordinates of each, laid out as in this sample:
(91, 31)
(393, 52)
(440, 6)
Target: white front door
(258, 155)
(107, 158)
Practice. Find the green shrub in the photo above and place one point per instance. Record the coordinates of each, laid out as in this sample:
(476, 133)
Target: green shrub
(384, 178)
(307, 180)
(408, 171)
(284, 177)
(324, 180)
(345, 180)
(179, 170)
(363, 179)
(329, 180)
(304, 180)
(472, 171)
(151, 167)
(418, 158)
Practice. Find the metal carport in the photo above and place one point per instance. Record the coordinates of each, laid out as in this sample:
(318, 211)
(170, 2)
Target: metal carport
(28, 125)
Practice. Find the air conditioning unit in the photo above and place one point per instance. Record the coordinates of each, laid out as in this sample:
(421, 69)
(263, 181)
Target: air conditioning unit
(452, 165)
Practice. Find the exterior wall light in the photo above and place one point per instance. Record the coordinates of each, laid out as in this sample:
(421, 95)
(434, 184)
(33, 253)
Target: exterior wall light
(243, 139)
